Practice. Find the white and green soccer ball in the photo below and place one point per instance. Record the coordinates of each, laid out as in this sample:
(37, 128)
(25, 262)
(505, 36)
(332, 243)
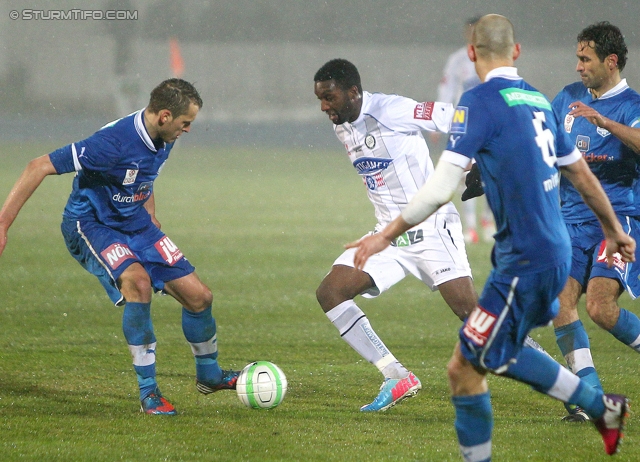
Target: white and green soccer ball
(261, 385)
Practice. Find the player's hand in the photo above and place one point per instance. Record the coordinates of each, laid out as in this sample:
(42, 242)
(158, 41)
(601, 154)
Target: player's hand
(366, 247)
(579, 109)
(473, 184)
(623, 246)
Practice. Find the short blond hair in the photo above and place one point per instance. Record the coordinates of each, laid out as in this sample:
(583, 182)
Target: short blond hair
(493, 37)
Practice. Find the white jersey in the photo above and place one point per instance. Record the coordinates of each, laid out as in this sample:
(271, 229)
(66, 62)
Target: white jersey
(387, 149)
(459, 76)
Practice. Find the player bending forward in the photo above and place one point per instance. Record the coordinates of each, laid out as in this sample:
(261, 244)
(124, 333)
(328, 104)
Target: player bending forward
(109, 226)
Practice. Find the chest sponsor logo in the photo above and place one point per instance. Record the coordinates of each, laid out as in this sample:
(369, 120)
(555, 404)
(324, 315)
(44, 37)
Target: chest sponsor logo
(369, 165)
(168, 250)
(130, 177)
(116, 254)
(479, 326)
(423, 111)
(582, 143)
(369, 141)
(618, 262)
(372, 182)
(568, 123)
(602, 132)
(143, 192)
(459, 122)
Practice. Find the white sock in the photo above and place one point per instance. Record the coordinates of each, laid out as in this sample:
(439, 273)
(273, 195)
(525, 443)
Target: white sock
(355, 329)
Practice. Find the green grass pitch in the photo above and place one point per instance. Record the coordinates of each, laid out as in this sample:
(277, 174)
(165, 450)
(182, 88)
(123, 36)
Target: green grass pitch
(262, 227)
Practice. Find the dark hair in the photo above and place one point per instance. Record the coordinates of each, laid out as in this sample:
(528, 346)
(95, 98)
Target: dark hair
(176, 95)
(342, 71)
(608, 40)
(472, 20)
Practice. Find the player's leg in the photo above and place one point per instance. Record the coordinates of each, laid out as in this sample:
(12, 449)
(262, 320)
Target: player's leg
(472, 402)
(135, 286)
(199, 328)
(460, 294)
(602, 307)
(335, 295)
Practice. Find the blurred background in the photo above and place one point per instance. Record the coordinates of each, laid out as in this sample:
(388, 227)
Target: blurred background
(254, 61)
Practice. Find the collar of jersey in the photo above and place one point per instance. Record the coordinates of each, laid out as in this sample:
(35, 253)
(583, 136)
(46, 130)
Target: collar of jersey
(622, 86)
(510, 73)
(138, 121)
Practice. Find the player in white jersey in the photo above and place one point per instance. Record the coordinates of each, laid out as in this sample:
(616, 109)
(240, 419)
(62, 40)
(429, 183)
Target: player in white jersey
(382, 135)
(460, 75)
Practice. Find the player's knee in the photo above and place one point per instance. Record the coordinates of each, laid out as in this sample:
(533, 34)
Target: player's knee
(604, 314)
(136, 287)
(201, 301)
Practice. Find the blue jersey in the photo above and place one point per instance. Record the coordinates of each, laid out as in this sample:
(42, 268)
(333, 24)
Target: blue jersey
(511, 131)
(116, 168)
(613, 163)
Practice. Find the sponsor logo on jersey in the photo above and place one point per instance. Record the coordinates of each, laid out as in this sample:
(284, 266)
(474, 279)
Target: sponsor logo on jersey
(582, 143)
(423, 111)
(144, 191)
(602, 132)
(618, 262)
(168, 250)
(516, 96)
(591, 157)
(370, 165)
(374, 181)
(459, 122)
(568, 123)
(479, 326)
(130, 177)
(116, 254)
(369, 141)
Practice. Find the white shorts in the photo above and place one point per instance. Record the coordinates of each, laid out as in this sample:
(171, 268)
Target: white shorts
(433, 252)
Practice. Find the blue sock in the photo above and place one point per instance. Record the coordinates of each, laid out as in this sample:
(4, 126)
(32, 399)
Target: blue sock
(627, 329)
(200, 331)
(574, 345)
(545, 375)
(474, 423)
(138, 331)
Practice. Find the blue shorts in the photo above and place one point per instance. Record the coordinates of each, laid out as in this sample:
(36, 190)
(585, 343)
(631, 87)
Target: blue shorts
(589, 260)
(106, 253)
(509, 307)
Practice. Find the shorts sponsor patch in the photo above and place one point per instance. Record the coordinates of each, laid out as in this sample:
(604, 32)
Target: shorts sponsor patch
(459, 122)
(618, 262)
(423, 111)
(116, 254)
(168, 250)
(479, 326)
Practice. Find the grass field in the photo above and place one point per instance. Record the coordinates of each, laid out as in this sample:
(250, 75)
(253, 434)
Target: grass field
(262, 228)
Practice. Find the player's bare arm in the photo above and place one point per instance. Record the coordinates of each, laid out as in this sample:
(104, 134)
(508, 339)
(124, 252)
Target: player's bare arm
(628, 135)
(437, 191)
(28, 182)
(594, 196)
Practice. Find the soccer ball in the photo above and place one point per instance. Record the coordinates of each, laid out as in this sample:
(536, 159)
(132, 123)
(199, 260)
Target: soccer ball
(261, 385)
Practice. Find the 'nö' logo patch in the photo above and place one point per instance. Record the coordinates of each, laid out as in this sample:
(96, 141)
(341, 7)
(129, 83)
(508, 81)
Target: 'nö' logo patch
(459, 122)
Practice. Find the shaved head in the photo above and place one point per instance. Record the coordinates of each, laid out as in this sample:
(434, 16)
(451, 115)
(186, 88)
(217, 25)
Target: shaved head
(493, 37)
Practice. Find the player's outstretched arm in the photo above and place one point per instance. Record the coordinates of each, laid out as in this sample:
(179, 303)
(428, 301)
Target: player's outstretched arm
(594, 196)
(437, 191)
(28, 182)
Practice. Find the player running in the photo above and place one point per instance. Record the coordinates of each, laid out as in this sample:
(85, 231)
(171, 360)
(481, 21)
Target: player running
(110, 228)
(509, 128)
(382, 135)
